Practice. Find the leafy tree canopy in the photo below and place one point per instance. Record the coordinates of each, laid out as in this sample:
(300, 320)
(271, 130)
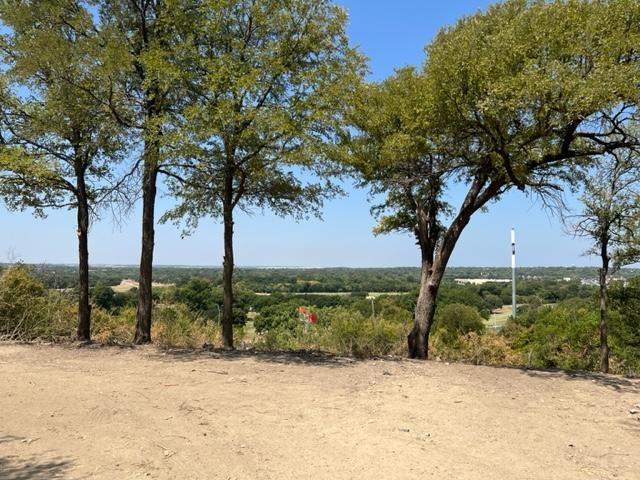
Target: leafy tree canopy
(53, 126)
(267, 90)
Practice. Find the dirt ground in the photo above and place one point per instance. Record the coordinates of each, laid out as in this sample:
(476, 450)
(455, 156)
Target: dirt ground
(118, 413)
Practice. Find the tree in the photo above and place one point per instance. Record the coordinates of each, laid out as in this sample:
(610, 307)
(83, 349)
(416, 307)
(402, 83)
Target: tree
(268, 87)
(610, 218)
(200, 296)
(59, 145)
(103, 296)
(148, 83)
(509, 98)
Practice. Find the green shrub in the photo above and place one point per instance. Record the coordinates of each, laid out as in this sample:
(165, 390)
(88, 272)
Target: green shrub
(454, 320)
(388, 308)
(281, 316)
(285, 337)
(339, 330)
(350, 333)
(107, 327)
(624, 327)
(29, 311)
(199, 294)
(480, 349)
(563, 336)
(103, 296)
(177, 326)
(492, 301)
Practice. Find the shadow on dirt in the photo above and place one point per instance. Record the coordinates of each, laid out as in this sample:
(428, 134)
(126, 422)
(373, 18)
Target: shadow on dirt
(10, 438)
(12, 468)
(283, 358)
(618, 384)
(157, 352)
(320, 358)
(31, 468)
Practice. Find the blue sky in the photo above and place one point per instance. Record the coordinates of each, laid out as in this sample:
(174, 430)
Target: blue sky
(391, 38)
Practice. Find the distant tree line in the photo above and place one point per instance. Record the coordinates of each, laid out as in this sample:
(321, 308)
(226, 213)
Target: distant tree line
(334, 280)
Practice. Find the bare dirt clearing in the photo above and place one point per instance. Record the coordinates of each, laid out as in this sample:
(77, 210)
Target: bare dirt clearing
(112, 413)
(127, 284)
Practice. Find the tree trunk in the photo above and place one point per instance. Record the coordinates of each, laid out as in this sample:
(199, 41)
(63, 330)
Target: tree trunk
(418, 339)
(84, 304)
(227, 277)
(604, 273)
(146, 16)
(145, 298)
(436, 247)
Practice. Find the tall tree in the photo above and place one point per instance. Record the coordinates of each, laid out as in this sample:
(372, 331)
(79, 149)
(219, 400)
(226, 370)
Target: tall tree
(147, 82)
(508, 98)
(610, 218)
(266, 97)
(60, 145)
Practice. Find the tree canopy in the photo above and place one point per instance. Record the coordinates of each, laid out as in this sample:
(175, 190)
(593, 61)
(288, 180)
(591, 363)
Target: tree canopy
(266, 95)
(514, 97)
(610, 213)
(54, 126)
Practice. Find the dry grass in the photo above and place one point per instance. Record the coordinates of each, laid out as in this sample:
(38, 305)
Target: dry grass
(128, 284)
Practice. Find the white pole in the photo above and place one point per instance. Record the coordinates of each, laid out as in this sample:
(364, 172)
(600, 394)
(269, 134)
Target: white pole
(373, 305)
(513, 272)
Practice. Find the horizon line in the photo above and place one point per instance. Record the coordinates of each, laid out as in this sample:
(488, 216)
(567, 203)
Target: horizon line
(303, 267)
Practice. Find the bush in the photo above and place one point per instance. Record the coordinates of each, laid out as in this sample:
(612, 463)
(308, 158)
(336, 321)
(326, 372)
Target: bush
(488, 349)
(294, 337)
(624, 327)
(103, 296)
(492, 301)
(281, 316)
(350, 333)
(110, 328)
(177, 326)
(563, 336)
(392, 309)
(29, 311)
(339, 330)
(454, 320)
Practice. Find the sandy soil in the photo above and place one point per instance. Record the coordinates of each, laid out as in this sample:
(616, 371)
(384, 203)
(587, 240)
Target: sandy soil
(116, 413)
(127, 284)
